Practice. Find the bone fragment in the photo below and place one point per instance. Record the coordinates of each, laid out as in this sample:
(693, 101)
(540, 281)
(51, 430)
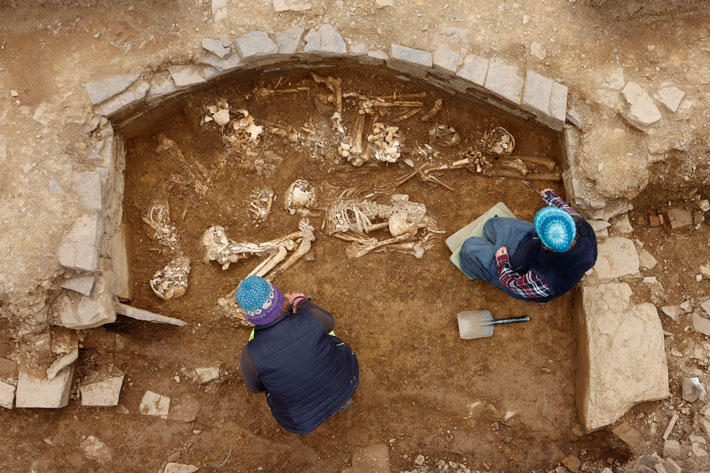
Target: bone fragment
(434, 110)
(543, 176)
(397, 104)
(360, 127)
(540, 161)
(407, 115)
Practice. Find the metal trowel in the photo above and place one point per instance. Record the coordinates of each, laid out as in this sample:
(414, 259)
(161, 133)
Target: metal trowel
(480, 323)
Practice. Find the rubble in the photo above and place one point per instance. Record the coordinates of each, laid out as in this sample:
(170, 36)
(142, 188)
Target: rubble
(7, 395)
(35, 390)
(679, 219)
(693, 390)
(646, 259)
(95, 449)
(103, 393)
(621, 356)
(701, 324)
(154, 404)
(671, 97)
(205, 375)
(643, 111)
(706, 307)
(671, 448)
(672, 311)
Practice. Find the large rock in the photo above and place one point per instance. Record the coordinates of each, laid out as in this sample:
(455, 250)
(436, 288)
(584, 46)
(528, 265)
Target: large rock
(82, 312)
(616, 257)
(103, 393)
(79, 248)
(621, 357)
(35, 390)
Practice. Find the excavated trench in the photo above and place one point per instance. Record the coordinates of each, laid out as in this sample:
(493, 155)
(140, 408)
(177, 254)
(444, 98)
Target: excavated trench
(506, 401)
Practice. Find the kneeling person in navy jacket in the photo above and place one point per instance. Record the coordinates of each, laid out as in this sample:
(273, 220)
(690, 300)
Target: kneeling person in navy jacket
(307, 372)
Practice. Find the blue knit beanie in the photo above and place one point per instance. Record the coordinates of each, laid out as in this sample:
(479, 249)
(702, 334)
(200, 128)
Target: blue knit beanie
(556, 228)
(261, 302)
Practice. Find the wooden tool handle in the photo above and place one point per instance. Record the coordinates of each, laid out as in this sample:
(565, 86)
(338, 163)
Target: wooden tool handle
(511, 321)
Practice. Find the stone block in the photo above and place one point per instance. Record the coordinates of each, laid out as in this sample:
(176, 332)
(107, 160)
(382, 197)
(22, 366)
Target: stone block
(378, 54)
(546, 99)
(621, 357)
(701, 324)
(154, 404)
(672, 311)
(643, 112)
(219, 66)
(7, 395)
(79, 248)
(290, 5)
(145, 315)
(474, 69)
(256, 43)
(671, 97)
(325, 41)
(616, 257)
(504, 81)
(84, 312)
(411, 55)
(288, 41)
(187, 76)
(180, 468)
(671, 448)
(122, 276)
(102, 91)
(87, 186)
(445, 59)
(103, 393)
(679, 219)
(372, 459)
(36, 391)
(82, 284)
(124, 100)
(161, 84)
(205, 375)
(357, 49)
(646, 259)
(218, 47)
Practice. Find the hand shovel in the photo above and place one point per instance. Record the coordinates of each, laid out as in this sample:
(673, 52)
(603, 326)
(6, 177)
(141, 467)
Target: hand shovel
(480, 323)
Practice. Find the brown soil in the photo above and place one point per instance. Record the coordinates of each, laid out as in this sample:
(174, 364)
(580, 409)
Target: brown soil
(419, 382)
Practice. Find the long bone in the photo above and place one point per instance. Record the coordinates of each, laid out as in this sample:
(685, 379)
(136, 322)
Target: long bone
(336, 87)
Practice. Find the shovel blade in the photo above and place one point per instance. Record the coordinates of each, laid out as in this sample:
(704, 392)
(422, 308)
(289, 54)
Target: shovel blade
(475, 324)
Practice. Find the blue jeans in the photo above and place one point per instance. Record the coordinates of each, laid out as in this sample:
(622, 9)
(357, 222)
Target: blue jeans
(478, 259)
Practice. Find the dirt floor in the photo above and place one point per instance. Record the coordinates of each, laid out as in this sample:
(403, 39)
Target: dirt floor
(422, 389)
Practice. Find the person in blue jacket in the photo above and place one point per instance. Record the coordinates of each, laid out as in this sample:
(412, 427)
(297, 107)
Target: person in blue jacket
(293, 355)
(533, 261)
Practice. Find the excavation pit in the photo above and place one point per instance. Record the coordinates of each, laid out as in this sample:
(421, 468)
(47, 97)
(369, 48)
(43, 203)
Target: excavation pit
(420, 384)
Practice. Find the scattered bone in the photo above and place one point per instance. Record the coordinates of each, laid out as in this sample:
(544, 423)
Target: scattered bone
(171, 281)
(260, 204)
(445, 135)
(336, 87)
(547, 163)
(221, 118)
(434, 110)
(220, 248)
(542, 176)
(245, 126)
(515, 164)
(158, 218)
(300, 196)
(474, 163)
(350, 220)
(406, 115)
(479, 163)
(194, 168)
(265, 92)
(386, 140)
(498, 141)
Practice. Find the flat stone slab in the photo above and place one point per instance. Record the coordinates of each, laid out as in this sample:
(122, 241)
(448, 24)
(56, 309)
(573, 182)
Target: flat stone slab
(124, 100)
(180, 468)
(504, 81)
(140, 314)
(102, 91)
(411, 55)
(701, 324)
(256, 43)
(37, 391)
(7, 395)
(184, 409)
(671, 97)
(288, 41)
(205, 375)
(218, 47)
(445, 59)
(87, 186)
(546, 99)
(223, 65)
(160, 85)
(474, 69)
(85, 312)
(79, 248)
(154, 404)
(187, 75)
(82, 284)
(621, 357)
(324, 40)
(103, 393)
(616, 257)
(122, 276)
(643, 111)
